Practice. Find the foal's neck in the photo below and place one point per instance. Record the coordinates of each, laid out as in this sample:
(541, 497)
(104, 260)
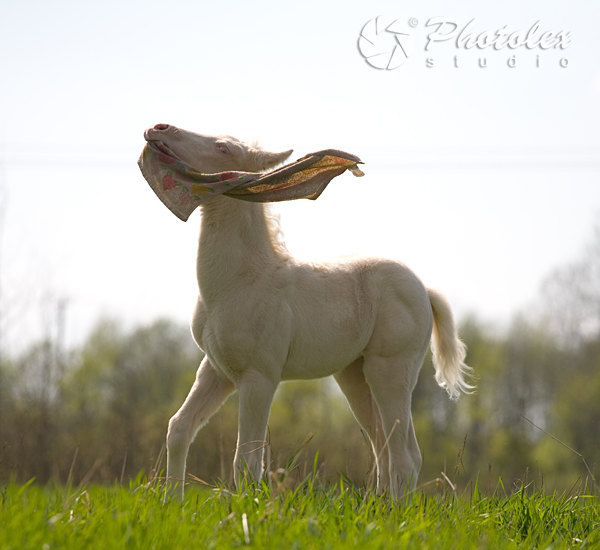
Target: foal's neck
(235, 244)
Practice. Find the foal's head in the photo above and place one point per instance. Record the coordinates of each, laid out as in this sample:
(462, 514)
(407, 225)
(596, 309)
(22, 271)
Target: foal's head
(210, 154)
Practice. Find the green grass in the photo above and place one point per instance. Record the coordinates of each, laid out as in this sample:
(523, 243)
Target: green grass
(309, 516)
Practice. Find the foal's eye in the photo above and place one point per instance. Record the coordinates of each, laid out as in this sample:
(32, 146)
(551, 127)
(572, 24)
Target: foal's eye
(223, 148)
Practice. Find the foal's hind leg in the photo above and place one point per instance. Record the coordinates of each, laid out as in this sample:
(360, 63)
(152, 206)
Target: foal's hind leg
(354, 386)
(392, 380)
(208, 393)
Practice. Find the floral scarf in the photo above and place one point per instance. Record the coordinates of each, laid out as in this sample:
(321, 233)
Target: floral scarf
(182, 188)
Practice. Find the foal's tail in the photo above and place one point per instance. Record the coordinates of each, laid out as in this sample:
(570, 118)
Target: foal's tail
(448, 351)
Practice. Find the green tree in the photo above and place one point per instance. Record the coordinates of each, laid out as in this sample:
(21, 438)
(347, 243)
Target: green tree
(119, 394)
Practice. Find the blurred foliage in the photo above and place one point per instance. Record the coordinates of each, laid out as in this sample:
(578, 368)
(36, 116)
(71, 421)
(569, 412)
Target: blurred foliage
(99, 413)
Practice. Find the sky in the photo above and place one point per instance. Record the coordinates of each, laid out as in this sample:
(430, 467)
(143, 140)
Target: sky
(481, 179)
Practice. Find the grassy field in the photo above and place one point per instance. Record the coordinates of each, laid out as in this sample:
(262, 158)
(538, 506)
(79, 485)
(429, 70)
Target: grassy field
(308, 516)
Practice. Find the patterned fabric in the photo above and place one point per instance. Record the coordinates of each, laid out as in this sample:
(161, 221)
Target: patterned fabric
(182, 188)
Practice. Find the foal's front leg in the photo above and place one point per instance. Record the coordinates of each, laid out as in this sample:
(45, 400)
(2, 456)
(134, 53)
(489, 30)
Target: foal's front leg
(255, 397)
(206, 396)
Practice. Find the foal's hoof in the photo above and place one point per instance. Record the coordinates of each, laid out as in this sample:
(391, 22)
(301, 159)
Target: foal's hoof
(174, 491)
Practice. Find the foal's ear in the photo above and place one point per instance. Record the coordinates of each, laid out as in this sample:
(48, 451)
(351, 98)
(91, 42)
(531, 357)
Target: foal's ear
(264, 160)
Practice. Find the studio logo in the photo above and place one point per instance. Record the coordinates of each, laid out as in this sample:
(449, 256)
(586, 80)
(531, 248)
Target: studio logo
(388, 43)
(385, 42)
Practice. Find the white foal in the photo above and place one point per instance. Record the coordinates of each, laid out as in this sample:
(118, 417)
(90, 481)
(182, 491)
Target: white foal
(262, 317)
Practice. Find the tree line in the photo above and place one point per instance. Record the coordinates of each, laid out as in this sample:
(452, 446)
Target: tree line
(99, 413)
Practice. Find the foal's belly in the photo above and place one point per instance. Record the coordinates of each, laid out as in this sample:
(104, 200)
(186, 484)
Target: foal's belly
(308, 363)
(324, 345)
(291, 346)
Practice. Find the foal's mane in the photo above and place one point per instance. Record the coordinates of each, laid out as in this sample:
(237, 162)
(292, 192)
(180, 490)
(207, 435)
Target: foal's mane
(276, 234)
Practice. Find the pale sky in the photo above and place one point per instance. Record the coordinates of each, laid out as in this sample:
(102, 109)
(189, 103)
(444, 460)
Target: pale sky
(480, 179)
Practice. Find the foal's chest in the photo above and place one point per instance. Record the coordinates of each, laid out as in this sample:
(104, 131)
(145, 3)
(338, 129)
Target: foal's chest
(238, 338)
